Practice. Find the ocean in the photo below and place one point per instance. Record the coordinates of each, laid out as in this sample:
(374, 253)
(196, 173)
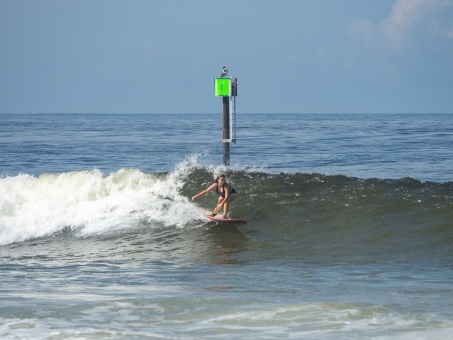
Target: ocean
(349, 233)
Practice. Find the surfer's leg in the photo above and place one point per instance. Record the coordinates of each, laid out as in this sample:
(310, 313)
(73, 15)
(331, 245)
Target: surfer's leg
(218, 207)
(226, 206)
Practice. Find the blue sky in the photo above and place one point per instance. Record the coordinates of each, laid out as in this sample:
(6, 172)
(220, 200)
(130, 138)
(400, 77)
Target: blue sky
(290, 56)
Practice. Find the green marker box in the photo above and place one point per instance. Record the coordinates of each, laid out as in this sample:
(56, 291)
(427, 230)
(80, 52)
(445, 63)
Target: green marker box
(222, 87)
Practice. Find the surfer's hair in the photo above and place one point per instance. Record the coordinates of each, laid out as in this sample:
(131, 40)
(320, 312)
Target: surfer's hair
(218, 177)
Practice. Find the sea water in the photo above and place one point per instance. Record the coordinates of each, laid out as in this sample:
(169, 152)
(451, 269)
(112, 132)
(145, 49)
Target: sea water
(349, 232)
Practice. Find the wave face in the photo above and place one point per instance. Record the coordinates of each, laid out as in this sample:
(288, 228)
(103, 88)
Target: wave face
(300, 214)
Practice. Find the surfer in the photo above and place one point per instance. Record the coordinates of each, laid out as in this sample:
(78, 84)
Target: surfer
(226, 193)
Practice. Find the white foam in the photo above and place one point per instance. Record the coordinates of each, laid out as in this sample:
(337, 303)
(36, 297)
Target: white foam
(91, 202)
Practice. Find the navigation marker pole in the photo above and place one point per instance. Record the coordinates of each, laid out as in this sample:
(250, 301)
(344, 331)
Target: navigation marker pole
(226, 130)
(226, 88)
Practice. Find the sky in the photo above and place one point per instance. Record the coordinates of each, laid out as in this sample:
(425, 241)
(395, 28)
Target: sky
(289, 56)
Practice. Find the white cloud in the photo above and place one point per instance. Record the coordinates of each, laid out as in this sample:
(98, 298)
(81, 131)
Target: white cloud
(397, 26)
(405, 15)
(394, 32)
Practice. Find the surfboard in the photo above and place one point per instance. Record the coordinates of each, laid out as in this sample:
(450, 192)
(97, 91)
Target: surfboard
(227, 220)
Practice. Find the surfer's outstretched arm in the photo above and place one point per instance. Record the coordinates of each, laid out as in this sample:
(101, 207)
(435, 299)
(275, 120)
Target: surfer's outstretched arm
(204, 192)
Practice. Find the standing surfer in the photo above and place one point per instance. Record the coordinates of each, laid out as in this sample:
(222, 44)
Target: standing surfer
(226, 193)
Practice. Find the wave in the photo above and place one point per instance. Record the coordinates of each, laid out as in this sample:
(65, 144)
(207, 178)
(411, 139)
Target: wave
(314, 211)
(90, 202)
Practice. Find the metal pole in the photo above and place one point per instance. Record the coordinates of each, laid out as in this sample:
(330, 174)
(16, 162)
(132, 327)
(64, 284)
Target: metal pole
(226, 131)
